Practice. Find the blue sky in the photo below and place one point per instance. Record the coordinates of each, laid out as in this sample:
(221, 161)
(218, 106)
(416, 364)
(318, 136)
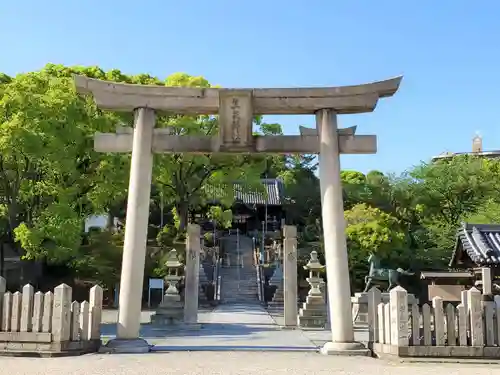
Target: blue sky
(447, 50)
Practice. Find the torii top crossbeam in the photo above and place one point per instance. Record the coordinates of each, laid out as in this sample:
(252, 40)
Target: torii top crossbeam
(236, 109)
(265, 101)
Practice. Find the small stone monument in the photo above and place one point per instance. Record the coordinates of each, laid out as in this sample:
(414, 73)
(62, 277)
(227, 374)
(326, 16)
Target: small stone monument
(360, 306)
(313, 313)
(202, 282)
(277, 302)
(171, 310)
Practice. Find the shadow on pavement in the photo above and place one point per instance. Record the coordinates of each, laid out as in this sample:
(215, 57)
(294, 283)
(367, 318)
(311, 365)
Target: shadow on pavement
(206, 329)
(219, 348)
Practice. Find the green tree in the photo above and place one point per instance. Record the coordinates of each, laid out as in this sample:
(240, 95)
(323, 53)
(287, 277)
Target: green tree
(446, 192)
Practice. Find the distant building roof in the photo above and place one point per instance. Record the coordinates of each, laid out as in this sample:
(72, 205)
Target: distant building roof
(483, 154)
(477, 150)
(248, 196)
(477, 244)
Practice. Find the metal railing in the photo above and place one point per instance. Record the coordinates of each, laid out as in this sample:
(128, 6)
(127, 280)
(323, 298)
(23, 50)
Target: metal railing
(217, 279)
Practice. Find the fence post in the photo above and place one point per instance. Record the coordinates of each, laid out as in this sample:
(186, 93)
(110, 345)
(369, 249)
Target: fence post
(381, 323)
(27, 308)
(75, 321)
(95, 309)
(398, 298)
(438, 312)
(48, 308)
(462, 325)
(475, 317)
(37, 312)
(84, 321)
(3, 289)
(374, 298)
(387, 323)
(15, 323)
(415, 324)
(61, 314)
(450, 325)
(6, 311)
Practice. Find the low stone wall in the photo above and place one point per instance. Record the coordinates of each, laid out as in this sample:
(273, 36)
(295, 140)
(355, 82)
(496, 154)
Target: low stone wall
(472, 329)
(49, 323)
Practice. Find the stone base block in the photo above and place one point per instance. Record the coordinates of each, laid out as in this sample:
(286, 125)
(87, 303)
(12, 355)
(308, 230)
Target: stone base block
(387, 350)
(52, 349)
(311, 322)
(309, 311)
(167, 320)
(345, 349)
(127, 346)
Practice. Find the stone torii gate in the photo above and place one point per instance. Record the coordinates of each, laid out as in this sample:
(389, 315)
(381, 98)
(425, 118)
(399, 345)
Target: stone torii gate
(236, 109)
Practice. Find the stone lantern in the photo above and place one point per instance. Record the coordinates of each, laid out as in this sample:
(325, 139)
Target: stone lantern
(171, 310)
(314, 279)
(313, 312)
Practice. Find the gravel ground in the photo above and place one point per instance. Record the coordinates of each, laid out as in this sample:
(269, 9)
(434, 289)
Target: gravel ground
(227, 363)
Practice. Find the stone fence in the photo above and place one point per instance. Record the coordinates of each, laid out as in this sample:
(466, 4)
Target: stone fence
(472, 329)
(49, 323)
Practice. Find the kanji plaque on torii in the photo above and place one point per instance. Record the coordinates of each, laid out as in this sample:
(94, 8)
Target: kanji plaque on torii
(236, 109)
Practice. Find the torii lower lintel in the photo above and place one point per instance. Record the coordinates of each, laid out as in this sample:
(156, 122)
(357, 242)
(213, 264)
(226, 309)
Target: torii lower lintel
(280, 144)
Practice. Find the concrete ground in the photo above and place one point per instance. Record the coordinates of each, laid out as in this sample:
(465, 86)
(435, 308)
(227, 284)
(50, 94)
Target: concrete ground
(229, 363)
(235, 340)
(227, 327)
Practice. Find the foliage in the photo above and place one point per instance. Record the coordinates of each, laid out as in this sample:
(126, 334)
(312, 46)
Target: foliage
(222, 217)
(51, 180)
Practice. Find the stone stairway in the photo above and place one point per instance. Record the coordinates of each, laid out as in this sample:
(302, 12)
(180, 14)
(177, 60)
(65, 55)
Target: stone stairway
(238, 275)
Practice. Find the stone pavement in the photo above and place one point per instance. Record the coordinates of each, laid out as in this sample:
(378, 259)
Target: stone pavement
(227, 327)
(229, 363)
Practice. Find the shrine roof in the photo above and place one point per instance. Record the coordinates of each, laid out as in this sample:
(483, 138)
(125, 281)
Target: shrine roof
(248, 196)
(478, 244)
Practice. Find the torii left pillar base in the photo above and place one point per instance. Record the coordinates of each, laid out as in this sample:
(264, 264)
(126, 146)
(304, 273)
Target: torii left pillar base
(127, 346)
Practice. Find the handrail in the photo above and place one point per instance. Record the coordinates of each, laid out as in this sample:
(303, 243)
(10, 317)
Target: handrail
(217, 280)
(260, 283)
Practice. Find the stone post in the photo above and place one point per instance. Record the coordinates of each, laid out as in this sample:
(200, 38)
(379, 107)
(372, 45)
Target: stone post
(475, 317)
(290, 275)
(487, 281)
(399, 316)
(337, 267)
(3, 289)
(95, 312)
(27, 308)
(61, 314)
(136, 230)
(193, 248)
(374, 299)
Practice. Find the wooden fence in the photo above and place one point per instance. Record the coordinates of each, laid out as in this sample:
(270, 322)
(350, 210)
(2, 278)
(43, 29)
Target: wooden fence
(471, 329)
(49, 322)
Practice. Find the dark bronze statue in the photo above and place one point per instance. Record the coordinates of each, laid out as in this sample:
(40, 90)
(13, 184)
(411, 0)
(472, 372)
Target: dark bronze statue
(376, 273)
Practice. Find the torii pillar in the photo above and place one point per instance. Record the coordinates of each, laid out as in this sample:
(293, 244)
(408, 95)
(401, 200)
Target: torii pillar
(236, 108)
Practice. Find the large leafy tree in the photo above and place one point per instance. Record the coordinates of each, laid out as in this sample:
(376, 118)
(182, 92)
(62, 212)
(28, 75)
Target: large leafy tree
(447, 191)
(46, 161)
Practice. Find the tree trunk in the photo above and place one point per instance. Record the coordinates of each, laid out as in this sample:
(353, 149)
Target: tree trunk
(2, 259)
(182, 214)
(110, 222)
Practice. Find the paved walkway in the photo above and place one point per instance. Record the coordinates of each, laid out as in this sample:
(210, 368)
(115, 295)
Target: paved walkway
(229, 363)
(228, 327)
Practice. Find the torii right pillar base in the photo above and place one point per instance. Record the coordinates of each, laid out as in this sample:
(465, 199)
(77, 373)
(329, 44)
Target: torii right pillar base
(345, 349)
